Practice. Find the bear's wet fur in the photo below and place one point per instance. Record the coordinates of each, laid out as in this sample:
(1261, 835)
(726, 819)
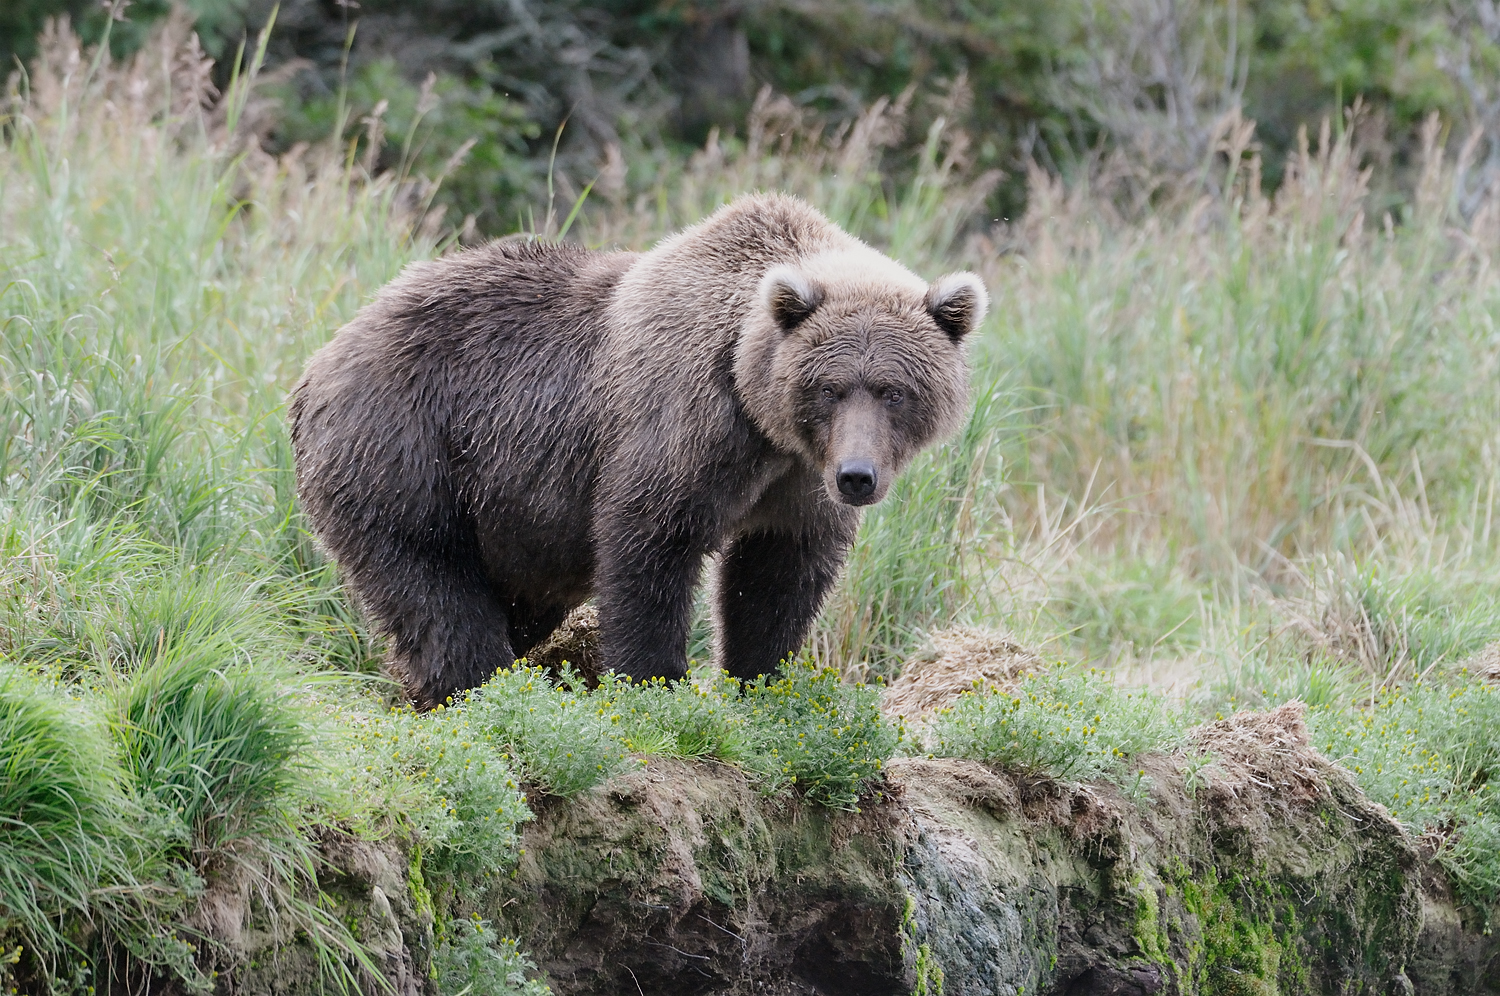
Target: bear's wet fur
(508, 431)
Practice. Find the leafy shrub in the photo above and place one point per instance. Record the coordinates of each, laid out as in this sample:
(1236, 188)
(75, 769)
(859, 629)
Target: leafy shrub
(698, 718)
(478, 803)
(426, 777)
(805, 727)
(819, 732)
(1430, 754)
(1065, 723)
(556, 738)
(473, 961)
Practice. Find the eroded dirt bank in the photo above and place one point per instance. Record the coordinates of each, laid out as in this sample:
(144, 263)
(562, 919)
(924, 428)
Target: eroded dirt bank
(1269, 873)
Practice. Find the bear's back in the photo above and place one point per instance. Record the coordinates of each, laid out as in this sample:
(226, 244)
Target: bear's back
(467, 376)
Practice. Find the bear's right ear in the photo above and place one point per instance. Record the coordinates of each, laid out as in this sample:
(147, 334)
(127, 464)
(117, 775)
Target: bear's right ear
(789, 296)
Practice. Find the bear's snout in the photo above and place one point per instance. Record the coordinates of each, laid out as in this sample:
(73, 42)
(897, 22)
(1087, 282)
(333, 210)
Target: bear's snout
(857, 479)
(858, 462)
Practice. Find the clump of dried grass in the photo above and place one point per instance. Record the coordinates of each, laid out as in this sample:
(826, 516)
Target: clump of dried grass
(1486, 664)
(959, 660)
(575, 644)
(1269, 750)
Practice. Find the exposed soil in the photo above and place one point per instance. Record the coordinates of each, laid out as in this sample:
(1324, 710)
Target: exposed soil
(575, 644)
(1267, 873)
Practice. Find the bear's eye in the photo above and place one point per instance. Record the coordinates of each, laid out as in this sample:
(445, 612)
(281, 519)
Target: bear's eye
(893, 398)
(829, 394)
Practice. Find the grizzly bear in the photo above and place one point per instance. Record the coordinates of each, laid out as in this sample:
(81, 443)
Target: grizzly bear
(508, 431)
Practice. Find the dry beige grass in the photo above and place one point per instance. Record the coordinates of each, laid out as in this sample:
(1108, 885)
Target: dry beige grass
(575, 643)
(1270, 750)
(1486, 663)
(960, 660)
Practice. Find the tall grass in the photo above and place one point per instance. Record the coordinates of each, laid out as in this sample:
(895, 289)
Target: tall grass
(1178, 412)
(1235, 394)
(161, 282)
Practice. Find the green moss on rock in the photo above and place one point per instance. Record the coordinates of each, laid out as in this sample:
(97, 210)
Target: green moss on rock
(683, 878)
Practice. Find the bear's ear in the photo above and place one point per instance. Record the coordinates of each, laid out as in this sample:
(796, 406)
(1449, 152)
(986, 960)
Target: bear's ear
(789, 296)
(957, 302)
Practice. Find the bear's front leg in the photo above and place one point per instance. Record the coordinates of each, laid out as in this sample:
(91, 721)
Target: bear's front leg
(770, 588)
(648, 565)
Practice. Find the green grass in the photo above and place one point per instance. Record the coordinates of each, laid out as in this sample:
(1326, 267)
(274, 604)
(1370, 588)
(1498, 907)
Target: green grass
(1063, 723)
(1429, 753)
(76, 848)
(216, 743)
(1250, 445)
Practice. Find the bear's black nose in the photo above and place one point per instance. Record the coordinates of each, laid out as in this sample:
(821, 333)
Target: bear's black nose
(857, 478)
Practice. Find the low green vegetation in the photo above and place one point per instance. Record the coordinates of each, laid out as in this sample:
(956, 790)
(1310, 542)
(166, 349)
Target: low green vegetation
(474, 960)
(1063, 723)
(559, 739)
(1244, 452)
(828, 736)
(1430, 753)
(1240, 952)
(804, 726)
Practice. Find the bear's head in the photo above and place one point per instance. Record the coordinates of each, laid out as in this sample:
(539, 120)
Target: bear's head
(853, 363)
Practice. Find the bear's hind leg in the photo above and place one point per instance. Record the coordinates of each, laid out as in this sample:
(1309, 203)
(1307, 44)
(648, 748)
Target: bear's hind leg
(448, 631)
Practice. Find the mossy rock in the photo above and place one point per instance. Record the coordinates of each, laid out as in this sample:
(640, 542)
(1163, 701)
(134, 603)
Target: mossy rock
(682, 878)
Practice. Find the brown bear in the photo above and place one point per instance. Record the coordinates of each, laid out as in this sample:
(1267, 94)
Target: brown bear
(507, 431)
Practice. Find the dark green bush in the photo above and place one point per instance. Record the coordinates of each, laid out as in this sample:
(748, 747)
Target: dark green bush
(819, 732)
(1050, 81)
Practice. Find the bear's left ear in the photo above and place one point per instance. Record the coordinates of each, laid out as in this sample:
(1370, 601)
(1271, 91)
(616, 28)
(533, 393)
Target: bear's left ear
(789, 295)
(957, 302)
